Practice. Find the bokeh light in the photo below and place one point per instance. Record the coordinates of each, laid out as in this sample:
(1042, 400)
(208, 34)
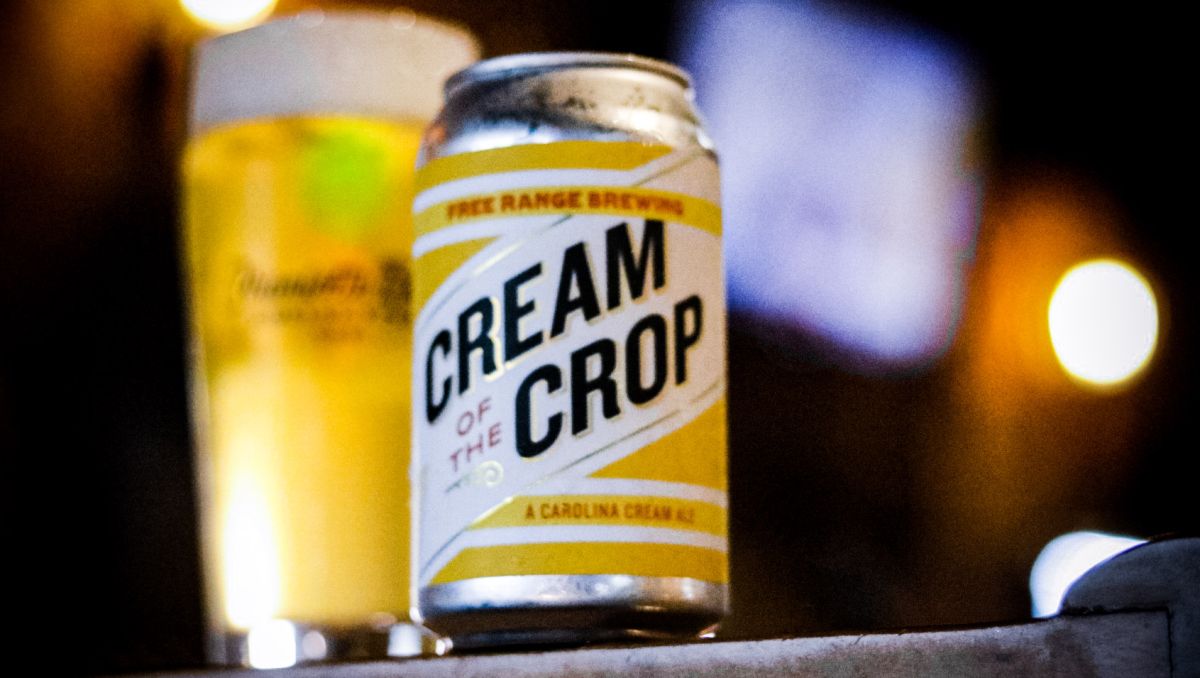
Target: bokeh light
(1103, 322)
(1064, 560)
(272, 645)
(228, 15)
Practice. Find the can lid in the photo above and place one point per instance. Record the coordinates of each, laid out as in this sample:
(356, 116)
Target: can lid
(539, 62)
(375, 64)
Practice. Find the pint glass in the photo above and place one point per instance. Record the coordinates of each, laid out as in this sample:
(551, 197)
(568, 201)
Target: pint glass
(297, 238)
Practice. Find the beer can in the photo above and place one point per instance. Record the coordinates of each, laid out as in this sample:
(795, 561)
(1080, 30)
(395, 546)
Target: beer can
(570, 351)
(298, 181)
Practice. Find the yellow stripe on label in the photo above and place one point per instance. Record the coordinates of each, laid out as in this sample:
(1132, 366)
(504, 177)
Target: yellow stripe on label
(693, 454)
(433, 267)
(603, 155)
(678, 514)
(617, 201)
(638, 560)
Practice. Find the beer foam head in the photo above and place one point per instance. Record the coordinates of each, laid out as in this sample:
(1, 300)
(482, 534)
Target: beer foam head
(371, 64)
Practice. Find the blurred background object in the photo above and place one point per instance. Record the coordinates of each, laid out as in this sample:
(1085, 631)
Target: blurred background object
(908, 184)
(851, 196)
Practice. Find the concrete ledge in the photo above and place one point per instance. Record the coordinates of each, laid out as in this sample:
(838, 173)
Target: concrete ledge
(1158, 575)
(1118, 645)
(1134, 616)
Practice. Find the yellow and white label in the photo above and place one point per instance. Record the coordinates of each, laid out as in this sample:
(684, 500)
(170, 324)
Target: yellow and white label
(569, 376)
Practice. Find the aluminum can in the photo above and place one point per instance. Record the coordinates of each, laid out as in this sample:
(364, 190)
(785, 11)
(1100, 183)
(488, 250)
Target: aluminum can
(298, 180)
(569, 356)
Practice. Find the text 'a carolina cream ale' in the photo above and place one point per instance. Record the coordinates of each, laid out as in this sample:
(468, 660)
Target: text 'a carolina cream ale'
(569, 347)
(298, 182)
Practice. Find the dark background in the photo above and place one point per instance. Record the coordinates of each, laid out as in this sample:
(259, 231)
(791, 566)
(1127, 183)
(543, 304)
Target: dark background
(861, 498)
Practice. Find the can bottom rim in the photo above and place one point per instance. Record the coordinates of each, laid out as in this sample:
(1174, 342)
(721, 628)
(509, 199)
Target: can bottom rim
(544, 610)
(542, 638)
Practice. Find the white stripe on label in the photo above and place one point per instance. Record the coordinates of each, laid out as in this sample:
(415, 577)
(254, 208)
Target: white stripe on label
(572, 534)
(587, 534)
(490, 228)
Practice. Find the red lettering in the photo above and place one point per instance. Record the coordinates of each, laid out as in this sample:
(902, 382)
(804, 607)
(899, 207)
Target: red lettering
(474, 448)
(461, 428)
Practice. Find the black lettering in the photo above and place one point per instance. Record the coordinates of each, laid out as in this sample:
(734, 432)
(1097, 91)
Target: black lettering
(514, 345)
(685, 339)
(619, 254)
(480, 342)
(582, 386)
(526, 445)
(434, 407)
(574, 269)
(638, 394)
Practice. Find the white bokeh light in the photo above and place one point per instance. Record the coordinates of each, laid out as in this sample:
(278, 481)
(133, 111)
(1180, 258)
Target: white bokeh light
(228, 15)
(1103, 322)
(1064, 560)
(272, 645)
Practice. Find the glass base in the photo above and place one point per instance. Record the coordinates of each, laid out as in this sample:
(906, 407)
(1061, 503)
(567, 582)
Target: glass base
(280, 643)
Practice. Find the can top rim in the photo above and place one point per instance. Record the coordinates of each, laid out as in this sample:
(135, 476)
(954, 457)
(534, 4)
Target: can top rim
(535, 62)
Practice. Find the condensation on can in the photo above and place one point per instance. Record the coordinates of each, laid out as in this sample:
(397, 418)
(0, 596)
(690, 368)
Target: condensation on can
(548, 98)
